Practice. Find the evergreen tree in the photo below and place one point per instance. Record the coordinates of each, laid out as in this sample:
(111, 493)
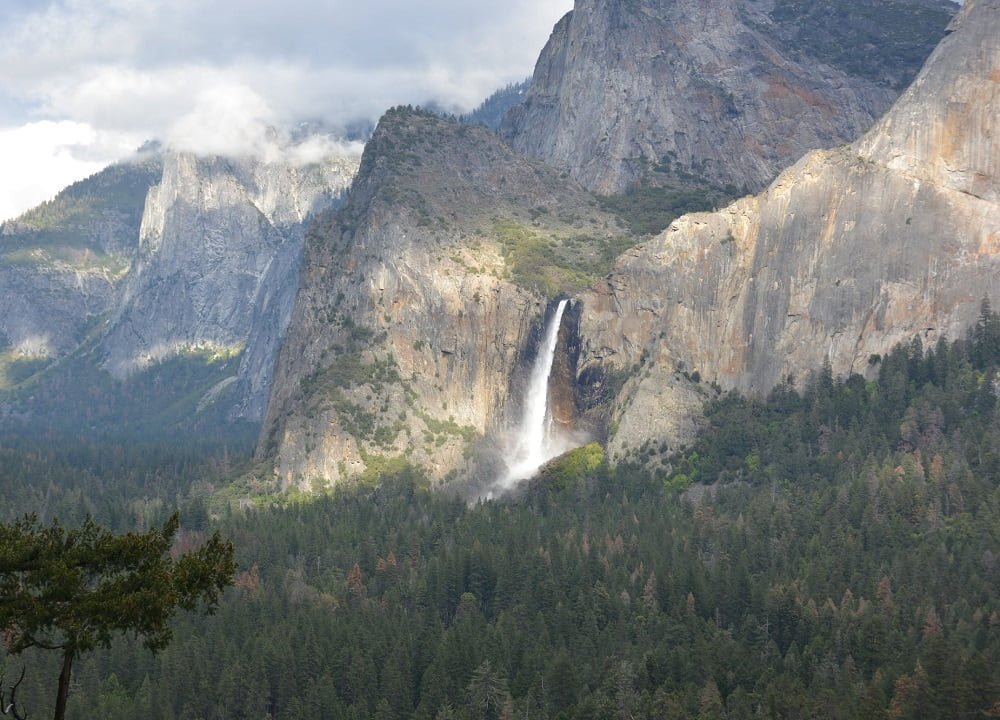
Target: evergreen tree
(75, 590)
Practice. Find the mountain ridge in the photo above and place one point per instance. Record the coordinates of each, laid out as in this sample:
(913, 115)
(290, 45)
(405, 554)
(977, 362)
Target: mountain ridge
(849, 252)
(718, 89)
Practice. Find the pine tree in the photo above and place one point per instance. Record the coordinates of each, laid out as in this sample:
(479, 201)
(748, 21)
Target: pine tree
(487, 692)
(75, 590)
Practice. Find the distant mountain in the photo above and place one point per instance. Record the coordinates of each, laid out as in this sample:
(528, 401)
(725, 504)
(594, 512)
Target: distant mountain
(491, 111)
(218, 265)
(176, 265)
(728, 92)
(62, 263)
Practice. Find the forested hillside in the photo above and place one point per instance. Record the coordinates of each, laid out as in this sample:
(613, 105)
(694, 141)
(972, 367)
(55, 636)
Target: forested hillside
(490, 111)
(831, 552)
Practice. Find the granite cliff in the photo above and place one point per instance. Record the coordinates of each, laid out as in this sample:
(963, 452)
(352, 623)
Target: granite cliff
(63, 263)
(421, 300)
(217, 266)
(847, 253)
(168, 256)
(725, 91)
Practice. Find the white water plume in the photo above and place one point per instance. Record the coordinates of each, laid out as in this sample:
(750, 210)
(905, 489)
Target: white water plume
(535, 441)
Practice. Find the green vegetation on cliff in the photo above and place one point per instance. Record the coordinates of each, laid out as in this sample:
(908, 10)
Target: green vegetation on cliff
(16, 367)
(101, 214)
(664, 195)
(555, 263)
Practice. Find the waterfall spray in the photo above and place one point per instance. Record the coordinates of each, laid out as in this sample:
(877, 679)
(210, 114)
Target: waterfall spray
(534, 442)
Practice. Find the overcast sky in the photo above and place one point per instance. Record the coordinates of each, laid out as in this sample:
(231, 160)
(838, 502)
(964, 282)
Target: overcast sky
(85, 82)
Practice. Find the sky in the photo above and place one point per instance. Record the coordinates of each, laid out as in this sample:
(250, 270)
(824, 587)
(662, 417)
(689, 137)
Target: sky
(85, 82)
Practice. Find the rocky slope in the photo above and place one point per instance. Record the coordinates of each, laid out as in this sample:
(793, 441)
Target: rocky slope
(171, 256)
(728, 91)
(421, 299)
(847, 253)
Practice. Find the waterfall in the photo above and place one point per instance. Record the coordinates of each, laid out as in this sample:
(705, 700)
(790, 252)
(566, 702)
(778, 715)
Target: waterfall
(534, 442)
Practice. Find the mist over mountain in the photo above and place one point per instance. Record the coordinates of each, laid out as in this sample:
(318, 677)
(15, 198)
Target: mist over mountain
(86, 82)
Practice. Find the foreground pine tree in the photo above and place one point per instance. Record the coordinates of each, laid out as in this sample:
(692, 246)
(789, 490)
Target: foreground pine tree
(74, 590)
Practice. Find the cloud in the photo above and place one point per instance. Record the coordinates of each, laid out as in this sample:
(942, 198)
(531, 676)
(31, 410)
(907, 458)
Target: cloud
(225, 120)
(40, 158)
(213, 76)
(87, 58)
(316, 147)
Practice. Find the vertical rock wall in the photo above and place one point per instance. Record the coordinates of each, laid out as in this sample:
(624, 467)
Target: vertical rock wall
(714, 88)
(218, 265)
(847, 253)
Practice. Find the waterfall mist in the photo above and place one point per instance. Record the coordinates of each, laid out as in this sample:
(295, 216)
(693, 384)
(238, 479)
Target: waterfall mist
(536, 440)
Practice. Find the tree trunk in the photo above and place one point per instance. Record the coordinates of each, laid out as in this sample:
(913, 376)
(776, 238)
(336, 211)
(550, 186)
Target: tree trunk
(64, 678)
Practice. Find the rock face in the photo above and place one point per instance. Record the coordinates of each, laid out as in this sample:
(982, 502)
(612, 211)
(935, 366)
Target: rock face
(847, 253)
(167, 255)
(731, 91)
(421, 299)
(62, 264)
(217, 266)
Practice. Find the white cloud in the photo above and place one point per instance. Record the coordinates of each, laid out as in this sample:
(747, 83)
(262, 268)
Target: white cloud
(213, 76)
(316, 147)
(76, 52)
(227, 119)
(41, 158)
